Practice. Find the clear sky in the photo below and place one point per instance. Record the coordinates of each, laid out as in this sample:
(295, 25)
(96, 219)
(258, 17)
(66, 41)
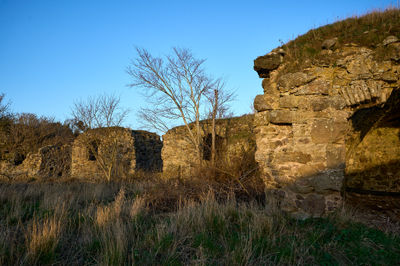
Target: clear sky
(57, 51)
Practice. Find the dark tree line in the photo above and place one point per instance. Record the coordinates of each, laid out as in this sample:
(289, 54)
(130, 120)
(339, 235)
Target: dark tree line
(25, 133)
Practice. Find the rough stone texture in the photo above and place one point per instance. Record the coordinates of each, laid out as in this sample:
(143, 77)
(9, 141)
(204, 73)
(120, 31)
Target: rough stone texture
(49, 162)
(129, 150)
(135, 150)
(234, 136)
(389, 40)
(329, 44)
(147, 151)
(310, 138)
(373, 157)
(265, 64)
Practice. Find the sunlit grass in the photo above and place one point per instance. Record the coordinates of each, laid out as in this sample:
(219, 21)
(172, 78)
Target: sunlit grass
(117, 224)
(368, 30)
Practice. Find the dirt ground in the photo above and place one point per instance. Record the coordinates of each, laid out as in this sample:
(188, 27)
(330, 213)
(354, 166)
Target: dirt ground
(382, 212)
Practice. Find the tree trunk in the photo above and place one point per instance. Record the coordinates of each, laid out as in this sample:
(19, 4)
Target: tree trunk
(213, 130)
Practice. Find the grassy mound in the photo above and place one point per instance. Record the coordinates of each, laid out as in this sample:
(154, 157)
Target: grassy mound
(367, 31)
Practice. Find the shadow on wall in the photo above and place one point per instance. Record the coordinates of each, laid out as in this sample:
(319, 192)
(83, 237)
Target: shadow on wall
(321, 193)
(370, 165)
(373, 151)
(233, 137)
(147, 151)
(365, 119)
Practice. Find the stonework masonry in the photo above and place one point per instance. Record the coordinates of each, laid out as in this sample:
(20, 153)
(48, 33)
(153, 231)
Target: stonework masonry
(120, 150)
(235, 136)
(328, 128)
(49, 162)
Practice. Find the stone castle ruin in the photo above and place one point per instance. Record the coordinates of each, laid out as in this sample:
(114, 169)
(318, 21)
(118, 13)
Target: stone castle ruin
(234, 139)
(49, 161)
(116, 149)
(133, 151)
(319, 134)
(329, 128)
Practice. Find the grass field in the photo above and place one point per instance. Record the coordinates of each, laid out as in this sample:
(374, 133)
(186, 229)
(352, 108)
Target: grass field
(142, 223)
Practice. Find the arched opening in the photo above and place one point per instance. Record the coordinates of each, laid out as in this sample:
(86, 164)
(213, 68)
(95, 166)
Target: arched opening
(372, 176)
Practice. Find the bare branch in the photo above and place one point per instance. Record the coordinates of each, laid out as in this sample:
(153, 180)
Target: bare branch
(100, 111)
(176, 88)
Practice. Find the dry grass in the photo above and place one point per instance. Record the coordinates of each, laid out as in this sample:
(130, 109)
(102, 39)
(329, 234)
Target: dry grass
(42, 237)
(126, 223)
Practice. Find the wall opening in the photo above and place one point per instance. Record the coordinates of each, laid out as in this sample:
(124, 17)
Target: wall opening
(19, 159)
(93, 150)
(207, 143)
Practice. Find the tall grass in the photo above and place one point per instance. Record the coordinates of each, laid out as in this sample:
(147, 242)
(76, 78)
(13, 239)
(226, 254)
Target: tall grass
(123, 224)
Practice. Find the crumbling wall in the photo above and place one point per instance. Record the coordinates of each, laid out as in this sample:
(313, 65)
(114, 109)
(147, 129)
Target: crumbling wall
(51, 161)
(373, 158)
(308, 142)
(234, 137)
(94, 151)
(147, 151)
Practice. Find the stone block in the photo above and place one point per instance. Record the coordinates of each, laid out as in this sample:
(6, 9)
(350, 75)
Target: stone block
(329, 180)
(289, 101)
(290, 81)
(335, 156)
(281, 116)
(297, 157)
(265, 102)
(321, 131)
(265, 64)
(328, 131)
(261, 119)
(320, 103)
(316, 87)
(269, 87)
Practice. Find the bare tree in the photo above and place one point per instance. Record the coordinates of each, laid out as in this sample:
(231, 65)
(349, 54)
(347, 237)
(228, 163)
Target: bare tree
(103, 144)
(175, 87)
(100, 111)
(4, 107)
(106, 148)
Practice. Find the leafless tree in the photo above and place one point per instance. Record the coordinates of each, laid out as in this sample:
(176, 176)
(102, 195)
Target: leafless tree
(103, 111)
(175, 87)
(4, 107)
(100, 111)
(27, 132)
(106, 148)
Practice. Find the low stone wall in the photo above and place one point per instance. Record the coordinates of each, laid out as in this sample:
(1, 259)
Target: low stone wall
(51, 161)
(234, 137)
(119, 150)
(307, 141)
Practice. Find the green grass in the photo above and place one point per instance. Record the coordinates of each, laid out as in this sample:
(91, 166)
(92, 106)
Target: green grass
(115, 224)
(367, 31)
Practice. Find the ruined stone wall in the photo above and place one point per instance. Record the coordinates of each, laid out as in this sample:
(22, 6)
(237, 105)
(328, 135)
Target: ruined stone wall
(373, 158)
(115, 149)
(234, 137)
(147, 151)
(52, 161)
(307, 135)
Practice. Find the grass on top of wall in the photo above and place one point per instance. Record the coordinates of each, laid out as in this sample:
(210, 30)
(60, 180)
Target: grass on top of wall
(368, 31)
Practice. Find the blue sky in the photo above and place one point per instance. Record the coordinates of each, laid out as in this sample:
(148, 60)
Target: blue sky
(57, 51)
